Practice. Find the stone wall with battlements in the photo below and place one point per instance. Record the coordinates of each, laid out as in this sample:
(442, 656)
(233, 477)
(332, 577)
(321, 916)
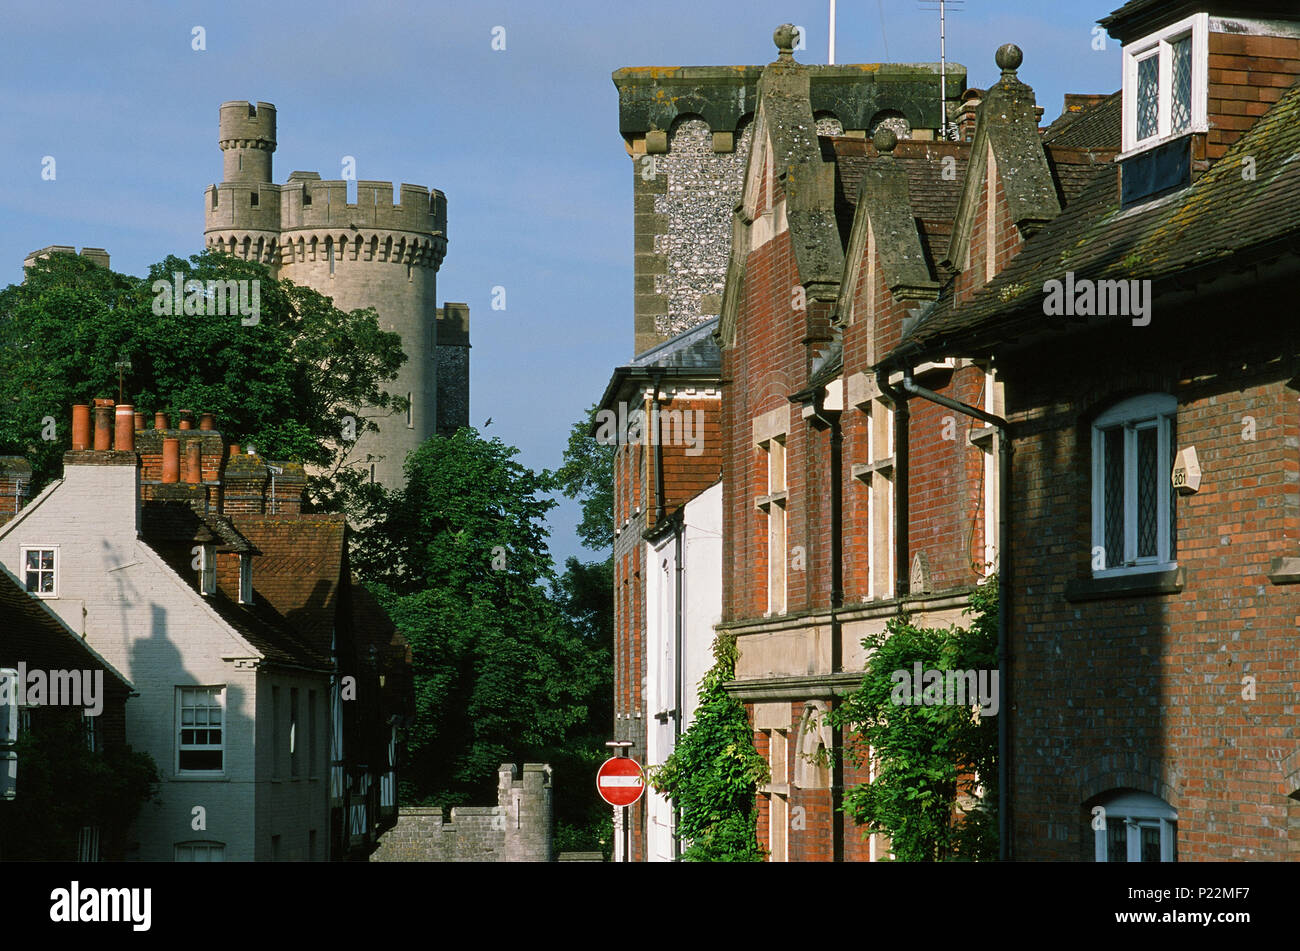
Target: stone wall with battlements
(519, 828)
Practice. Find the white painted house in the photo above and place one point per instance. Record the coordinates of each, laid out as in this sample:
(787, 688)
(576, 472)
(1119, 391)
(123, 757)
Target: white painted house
(683, 603)
(233, 708)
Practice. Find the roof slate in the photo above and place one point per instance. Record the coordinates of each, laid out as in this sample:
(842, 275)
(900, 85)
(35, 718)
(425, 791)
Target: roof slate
(1095, 239)
(1098, 127)
(36, 637)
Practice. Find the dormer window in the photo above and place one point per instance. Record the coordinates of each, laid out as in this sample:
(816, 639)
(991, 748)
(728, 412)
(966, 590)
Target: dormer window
(245, 579)
(1166, 83)
(208, 569)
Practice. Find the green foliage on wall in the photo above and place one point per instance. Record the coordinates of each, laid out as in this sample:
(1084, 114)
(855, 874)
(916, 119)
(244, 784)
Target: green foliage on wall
(713, 774)
(63, 786)
(935, 787)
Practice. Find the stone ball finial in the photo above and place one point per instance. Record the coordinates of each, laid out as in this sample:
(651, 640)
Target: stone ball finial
(885, 139)
(1009, 57)
(785, 36)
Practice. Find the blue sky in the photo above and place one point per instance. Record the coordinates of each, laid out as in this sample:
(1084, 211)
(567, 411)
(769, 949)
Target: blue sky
(524, 141)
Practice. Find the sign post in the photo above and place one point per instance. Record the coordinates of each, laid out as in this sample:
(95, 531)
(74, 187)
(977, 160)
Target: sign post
(621, 783)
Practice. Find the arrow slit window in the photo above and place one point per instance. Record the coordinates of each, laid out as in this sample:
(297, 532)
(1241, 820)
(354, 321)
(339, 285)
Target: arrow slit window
(1133, 502)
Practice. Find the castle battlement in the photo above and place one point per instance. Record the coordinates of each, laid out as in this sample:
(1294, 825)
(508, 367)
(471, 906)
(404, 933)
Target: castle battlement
(381, 250)
(321, 204)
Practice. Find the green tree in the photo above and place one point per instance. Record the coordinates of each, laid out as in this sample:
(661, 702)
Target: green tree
(585, 592)
(459, 559)
(713, 774)
(935, 789)
(63, 786)
(587, 474)
(285, 384)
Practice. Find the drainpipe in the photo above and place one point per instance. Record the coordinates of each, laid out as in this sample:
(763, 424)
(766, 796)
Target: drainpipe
(679, 697)
(832, 422)
(1004, 594)
(902, 426)
(659, 453)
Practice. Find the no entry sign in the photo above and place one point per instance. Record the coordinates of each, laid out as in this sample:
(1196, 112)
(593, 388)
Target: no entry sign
(619, 781)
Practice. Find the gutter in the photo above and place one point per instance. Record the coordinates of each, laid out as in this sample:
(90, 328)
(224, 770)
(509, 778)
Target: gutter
(1004, 581)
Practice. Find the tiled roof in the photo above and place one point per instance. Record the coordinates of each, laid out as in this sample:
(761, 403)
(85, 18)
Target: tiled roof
(934, 197)
(1073, 169)
(301, 576)
(1220, 215)
(1098, 127)
(34, 635)
(259, 623)
(300, 571)
(176, 521)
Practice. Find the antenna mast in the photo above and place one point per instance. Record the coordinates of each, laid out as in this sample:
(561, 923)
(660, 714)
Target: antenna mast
(945, 129)
(831, 54)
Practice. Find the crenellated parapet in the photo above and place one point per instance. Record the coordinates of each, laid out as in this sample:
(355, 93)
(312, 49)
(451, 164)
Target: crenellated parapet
(381, 250)
(305, 218)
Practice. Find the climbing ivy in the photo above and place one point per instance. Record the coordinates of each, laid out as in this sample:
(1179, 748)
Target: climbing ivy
(935, 787)
(714, 772)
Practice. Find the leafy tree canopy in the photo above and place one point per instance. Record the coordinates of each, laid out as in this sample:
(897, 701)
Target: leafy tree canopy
(714, 772)
(459, 559)
(588, 475)
(284, 384)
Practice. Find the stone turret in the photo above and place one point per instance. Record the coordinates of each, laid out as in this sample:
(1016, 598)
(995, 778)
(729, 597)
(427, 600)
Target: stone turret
(381, 251)
(247, 139)
(529, 811)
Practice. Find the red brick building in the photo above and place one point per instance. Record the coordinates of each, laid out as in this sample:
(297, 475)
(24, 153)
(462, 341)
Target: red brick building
(844, 502)
(692, 134)
(1145, 336)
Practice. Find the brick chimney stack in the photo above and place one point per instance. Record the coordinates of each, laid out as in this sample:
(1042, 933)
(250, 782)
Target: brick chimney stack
(968, 113)
(108, 477)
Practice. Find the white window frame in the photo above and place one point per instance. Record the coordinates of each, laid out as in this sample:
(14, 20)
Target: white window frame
(245, 578)
(774, 503)
(221, 747)
(89, 728)
(190, 851)
(54, 551)
(1197, 26)
(879, 483)
(207, 569)
(1161, 411)
(1136, 811)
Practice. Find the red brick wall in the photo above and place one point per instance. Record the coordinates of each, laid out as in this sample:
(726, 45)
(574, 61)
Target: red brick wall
(1247, 75)
(1146, 690)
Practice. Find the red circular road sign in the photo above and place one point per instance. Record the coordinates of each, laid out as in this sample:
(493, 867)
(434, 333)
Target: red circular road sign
(619, 781)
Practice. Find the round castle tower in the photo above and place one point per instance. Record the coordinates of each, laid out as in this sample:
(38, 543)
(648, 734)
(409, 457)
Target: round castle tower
(374, 253)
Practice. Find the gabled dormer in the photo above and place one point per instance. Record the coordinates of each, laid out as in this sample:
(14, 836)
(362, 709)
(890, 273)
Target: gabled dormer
(1196, 75)
(886, 262)
(788, 187)
(1008, 193)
